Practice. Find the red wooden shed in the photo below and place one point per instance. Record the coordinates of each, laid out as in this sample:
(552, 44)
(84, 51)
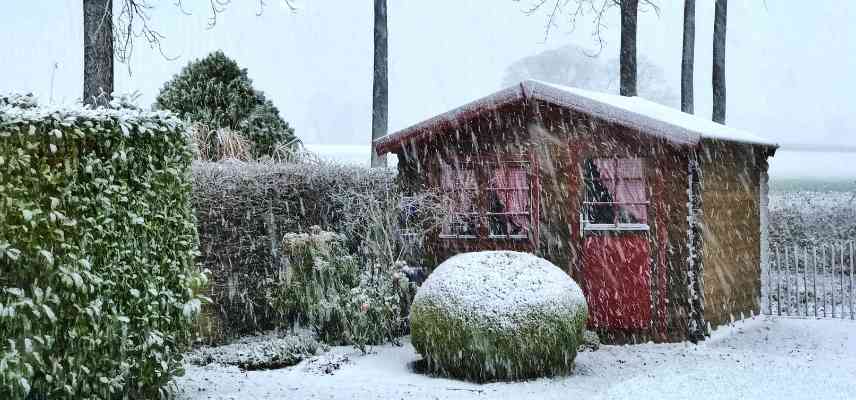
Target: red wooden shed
(657, 214)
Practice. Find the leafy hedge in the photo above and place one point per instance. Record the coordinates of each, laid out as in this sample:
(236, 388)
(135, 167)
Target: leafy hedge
(98, 285)
(245, 209)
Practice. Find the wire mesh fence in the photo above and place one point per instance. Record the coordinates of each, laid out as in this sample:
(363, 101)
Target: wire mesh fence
(810, 281)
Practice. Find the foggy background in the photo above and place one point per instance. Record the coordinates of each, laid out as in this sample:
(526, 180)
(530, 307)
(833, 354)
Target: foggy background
(789, 65)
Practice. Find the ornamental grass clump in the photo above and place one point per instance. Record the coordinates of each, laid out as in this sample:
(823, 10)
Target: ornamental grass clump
(98, 286)
(343, 298)
(498, 315)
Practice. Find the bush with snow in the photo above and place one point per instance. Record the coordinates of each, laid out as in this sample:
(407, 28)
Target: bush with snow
(269, 351)
(498, 315)
(343, 298)
(98, 284)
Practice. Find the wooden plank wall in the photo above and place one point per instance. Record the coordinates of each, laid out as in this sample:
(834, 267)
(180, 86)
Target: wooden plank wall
(730, 229)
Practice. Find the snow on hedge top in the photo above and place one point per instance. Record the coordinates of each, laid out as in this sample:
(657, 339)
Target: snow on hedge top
(634, 112)
(17, 109)
(502, 288)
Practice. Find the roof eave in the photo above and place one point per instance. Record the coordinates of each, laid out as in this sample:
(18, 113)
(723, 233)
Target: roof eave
(455, 117)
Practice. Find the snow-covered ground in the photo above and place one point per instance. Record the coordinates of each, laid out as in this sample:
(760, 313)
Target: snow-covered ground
(761, 358)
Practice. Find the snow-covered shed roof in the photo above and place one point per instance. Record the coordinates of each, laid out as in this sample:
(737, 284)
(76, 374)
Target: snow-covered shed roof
(634, 112)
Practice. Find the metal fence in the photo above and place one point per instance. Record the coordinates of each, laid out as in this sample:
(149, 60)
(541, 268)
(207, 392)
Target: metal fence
(810, 281)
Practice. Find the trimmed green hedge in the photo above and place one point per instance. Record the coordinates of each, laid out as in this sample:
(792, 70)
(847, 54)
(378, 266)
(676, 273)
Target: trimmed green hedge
(244, 210)
(98, 285)
(498, 315)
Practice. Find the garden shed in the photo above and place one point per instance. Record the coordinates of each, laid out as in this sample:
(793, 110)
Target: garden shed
(657, 214)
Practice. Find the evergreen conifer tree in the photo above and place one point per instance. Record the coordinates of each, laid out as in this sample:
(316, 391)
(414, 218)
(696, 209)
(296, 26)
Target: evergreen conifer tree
(217, 92)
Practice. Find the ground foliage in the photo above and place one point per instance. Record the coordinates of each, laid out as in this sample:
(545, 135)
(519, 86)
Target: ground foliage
(272, 350)
(216, 92)
(98, 285)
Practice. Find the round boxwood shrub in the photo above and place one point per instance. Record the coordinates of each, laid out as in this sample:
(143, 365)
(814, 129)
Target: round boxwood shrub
(498, 315)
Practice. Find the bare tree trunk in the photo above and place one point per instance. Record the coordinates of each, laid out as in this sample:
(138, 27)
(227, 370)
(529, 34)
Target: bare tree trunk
(719, 25)
(688, 57)
(97, 51)
(627, 58)
(380, 93)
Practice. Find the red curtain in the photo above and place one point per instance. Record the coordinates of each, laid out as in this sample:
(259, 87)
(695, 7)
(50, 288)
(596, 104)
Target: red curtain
(624, 179)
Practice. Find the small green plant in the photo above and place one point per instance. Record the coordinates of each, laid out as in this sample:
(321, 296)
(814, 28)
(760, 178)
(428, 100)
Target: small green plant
(262, 352)
(341, 298)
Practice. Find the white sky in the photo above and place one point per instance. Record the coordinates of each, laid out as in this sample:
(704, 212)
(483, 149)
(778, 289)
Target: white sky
(791, 67)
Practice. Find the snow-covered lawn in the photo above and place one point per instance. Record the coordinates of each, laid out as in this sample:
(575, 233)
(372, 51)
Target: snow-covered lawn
(761, 358)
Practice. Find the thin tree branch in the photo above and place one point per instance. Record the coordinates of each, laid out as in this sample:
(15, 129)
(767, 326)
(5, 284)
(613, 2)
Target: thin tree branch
(133, 22)
(596, 8)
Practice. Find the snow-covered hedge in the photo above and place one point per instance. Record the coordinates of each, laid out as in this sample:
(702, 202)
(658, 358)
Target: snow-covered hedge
(245, 208)
(498, 315)
(98, 285)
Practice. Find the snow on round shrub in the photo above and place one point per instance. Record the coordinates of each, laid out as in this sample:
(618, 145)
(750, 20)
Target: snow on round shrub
(498, 315)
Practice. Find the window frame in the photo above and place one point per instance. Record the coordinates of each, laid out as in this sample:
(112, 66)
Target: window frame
(491, 168)
(483, 171)
(474, 198)
(615, 226)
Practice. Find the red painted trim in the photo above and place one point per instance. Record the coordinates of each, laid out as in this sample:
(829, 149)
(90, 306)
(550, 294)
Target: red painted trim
(450, 120)
(661, 327)
(535, 191)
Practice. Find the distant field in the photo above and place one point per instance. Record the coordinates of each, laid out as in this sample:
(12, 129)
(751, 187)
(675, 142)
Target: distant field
(812, 185)
(812, 212)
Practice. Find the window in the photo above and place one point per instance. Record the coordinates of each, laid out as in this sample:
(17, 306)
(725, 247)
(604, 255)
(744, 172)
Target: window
(616, 196)
(460, 185)
(503, 203)
(508, 201)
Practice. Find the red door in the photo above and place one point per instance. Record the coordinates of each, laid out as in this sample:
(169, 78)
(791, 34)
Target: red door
(616, 276)
(616, 270)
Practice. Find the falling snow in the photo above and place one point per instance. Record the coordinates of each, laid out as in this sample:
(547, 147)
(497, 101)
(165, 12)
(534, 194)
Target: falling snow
(753, 359)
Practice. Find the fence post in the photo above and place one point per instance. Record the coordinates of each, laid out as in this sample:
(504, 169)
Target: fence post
(805, 279)
(851, 281)
(832, 272)
(770, 288)
(841, 281)
(787, 298)
(778, 282)
(814, 277)
(797, 280)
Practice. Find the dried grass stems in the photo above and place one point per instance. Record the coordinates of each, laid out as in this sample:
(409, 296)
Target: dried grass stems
(217, 144)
